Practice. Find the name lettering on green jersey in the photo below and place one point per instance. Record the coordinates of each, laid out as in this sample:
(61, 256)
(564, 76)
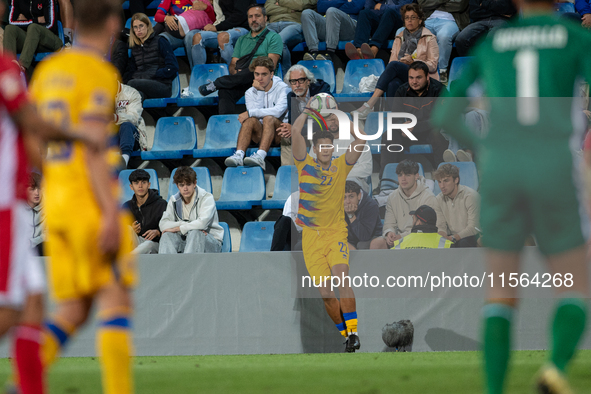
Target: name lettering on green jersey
(538, 37)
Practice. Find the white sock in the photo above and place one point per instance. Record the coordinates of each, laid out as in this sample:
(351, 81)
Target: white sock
(262, 153)
(240, 153)
(126, 158)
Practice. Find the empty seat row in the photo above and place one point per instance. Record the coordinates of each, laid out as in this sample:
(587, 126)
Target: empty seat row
(242, 187)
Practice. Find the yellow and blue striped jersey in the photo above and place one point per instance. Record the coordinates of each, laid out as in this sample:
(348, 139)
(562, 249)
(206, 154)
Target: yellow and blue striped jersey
(68, 89)
(322, 193)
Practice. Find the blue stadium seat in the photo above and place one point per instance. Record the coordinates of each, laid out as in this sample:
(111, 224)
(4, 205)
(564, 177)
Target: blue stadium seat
(371, 127)
(390, 173)
(126, 192)
(242, 188)
(322, 69)
(174, 137)
(468, 173)
(257, 237)
(457, 66)
(285, 181)
(163, 102)
(221, 137)
(200, 75)
(227, 241)
(203, 181)
(357, 69)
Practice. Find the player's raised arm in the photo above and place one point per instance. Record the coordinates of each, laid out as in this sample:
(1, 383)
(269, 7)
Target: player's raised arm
(298, 142)
(355, 148)
(449, 111)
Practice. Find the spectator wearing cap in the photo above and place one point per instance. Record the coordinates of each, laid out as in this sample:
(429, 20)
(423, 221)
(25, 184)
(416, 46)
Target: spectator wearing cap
(459, 206)
(424, 232)
(411, 194)
(147, 208)
(362, 215)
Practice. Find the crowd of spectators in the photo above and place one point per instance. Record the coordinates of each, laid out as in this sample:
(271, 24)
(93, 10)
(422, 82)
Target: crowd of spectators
(255, 40)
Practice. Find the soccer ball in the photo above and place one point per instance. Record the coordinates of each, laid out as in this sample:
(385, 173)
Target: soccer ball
(323, 101)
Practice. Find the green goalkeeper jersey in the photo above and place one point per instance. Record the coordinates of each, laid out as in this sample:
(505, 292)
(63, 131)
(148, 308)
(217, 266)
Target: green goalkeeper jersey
(529, 70)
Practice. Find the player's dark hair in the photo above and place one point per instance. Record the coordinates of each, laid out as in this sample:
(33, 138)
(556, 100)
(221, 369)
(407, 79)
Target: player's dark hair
(184, 174)
(407, 167)
(255, 5)
(418, 65)
(139, 175)
(35, 180)
(323, 134)
(445, 171)
(352, 187)
(262, 61)
(91, 15)
(416, 8)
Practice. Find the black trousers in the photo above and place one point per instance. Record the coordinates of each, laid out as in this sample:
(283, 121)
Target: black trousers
(231, 88)
(283, 230)
(468, 242)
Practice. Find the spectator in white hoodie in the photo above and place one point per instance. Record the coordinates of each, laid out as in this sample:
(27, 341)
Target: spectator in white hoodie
(190, 222)
(266, 110)
(410, 195)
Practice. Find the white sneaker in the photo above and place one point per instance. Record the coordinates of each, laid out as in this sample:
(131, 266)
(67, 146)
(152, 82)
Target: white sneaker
(364, 111)
(234, 161)
(449, 156)
(254, 160)
(463, 155)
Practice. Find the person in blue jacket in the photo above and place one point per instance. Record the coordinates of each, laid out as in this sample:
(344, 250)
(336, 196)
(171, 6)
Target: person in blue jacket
(583, 7)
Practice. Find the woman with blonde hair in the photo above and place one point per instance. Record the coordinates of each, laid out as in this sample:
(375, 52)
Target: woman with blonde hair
(153, 65)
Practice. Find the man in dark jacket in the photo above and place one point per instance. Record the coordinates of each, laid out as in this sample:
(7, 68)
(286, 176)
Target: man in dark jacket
(147, 208)
(32, 29)
(362, 215)
(418, 92)
(303, 86)
(486, 15)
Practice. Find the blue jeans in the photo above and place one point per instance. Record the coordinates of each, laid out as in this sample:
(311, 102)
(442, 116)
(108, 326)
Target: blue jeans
(395, 74)
(379, 27)
(209, 39)
(291, 35)
(468, 37)
(187, 42)
(336, 26)
(128, 141)
(445, 31)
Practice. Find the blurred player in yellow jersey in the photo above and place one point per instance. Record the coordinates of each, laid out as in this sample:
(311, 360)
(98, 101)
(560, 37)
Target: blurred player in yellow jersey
(86, 237)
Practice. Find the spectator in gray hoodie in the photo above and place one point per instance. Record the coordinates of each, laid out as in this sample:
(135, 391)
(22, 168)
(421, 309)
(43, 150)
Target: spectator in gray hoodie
(190, 223)
(266, 110)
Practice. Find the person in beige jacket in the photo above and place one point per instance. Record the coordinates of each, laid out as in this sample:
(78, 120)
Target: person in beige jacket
(459, 206)
(414, 43)
(410, 195)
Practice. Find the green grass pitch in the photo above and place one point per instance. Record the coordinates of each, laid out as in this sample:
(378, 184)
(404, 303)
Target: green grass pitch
(363, 373)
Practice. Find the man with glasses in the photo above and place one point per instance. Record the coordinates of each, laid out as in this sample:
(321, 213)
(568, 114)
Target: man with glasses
(303, 86)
